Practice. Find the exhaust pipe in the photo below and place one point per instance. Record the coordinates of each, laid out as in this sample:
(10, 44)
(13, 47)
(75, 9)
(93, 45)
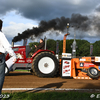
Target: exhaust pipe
(45, 40)
(12, 44)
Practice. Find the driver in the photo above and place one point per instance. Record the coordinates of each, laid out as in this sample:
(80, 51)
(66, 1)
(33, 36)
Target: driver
(40, 46)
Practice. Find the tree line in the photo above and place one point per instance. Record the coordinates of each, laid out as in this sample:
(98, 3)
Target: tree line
(83, 47)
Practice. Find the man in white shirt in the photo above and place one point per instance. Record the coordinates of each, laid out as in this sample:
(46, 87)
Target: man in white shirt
(4, 47)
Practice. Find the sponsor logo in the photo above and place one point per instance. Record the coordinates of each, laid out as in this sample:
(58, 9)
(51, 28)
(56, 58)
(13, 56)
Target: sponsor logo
(29, 60)
(66, 71)
(21, 61)
(97, 59)
(82, 59)
(89, 65)
(19, 56)
(67, 66)
(21, 48)
(66, 62)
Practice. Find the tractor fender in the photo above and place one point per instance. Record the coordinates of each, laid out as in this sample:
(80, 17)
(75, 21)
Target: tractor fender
(39, 51)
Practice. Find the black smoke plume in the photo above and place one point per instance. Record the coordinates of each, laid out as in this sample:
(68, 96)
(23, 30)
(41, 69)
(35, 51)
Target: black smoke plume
(76, 20)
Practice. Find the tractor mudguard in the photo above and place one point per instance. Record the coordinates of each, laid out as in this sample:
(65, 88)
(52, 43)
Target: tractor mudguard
(39, 51)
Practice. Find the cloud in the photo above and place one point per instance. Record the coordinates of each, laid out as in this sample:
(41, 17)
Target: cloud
(97, 9)
(14, 28)
(46, 10)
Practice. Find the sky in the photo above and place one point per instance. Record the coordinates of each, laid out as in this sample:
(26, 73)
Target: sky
(20, 15)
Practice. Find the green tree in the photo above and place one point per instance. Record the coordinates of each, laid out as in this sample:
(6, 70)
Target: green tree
(68, 46)
(32, 45)
(51, 45)
(96, 48)
(60, 47)
(83, 48)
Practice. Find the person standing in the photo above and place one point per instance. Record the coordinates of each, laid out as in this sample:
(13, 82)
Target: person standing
(4, 47)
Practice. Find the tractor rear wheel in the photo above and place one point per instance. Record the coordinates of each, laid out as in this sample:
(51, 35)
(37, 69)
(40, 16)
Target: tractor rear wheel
(45, 64)
(93, 72)
(32, 72)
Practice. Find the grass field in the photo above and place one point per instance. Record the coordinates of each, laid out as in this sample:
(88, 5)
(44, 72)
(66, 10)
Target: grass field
(21, 70)
(71, 95)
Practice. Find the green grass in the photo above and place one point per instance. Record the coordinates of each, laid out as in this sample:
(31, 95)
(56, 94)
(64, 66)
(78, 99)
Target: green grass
(71, 95)
(22, 70)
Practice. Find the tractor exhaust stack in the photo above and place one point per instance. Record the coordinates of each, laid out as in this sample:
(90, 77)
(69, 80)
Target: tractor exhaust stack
(12, 44)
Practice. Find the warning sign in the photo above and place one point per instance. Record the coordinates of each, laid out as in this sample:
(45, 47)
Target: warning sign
(81, 64)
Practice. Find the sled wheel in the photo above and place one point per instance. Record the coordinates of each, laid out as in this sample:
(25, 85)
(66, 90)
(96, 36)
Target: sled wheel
(45, 64)
(6, 70)
(93, 72)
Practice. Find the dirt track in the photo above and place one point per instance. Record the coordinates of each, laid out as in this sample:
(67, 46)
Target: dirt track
(27, 80)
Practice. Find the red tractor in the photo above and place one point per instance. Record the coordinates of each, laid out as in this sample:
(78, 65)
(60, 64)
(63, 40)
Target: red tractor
(42, 63)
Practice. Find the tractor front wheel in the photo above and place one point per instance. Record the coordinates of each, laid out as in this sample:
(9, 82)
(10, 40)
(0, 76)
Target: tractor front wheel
(45, 64)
